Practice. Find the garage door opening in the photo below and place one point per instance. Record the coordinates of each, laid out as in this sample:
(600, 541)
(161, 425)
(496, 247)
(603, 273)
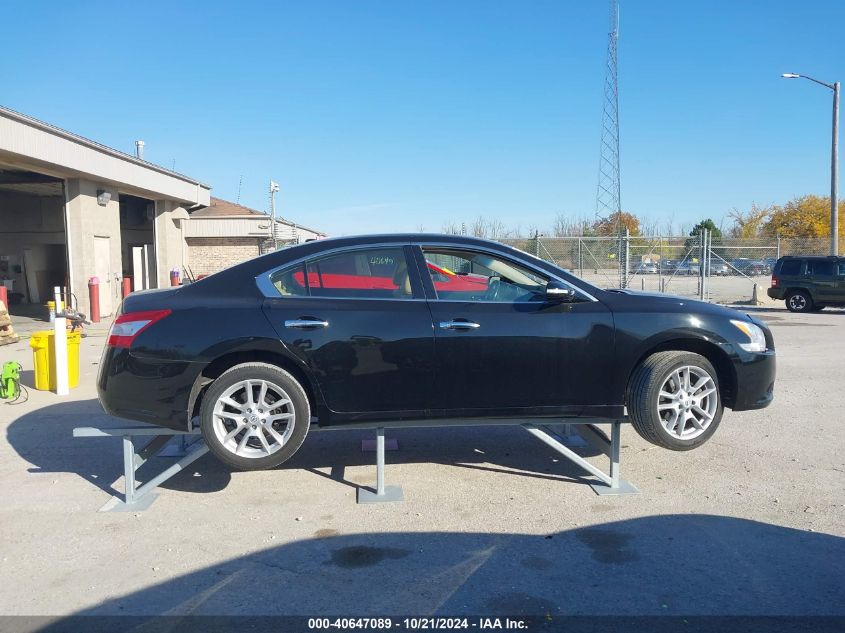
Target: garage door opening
(137, 236)
(33, 243)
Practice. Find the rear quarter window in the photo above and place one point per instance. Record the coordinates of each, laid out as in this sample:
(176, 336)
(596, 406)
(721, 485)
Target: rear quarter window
(791, 267)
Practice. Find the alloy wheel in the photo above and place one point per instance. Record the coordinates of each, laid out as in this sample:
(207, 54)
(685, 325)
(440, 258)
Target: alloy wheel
(798, 302)
(253, 418)
(687, 402)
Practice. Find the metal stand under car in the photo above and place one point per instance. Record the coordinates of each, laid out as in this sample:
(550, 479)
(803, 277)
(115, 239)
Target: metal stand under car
(138, 498)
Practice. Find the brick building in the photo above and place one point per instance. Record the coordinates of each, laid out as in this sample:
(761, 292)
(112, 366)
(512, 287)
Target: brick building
(226, 233)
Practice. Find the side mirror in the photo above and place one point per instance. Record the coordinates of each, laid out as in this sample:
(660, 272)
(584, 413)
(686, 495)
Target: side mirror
(556, 291)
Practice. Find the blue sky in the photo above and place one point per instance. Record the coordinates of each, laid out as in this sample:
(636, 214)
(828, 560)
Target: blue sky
(377, 116)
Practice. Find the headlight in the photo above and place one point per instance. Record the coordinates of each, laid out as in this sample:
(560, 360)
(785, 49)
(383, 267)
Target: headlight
(757, 340)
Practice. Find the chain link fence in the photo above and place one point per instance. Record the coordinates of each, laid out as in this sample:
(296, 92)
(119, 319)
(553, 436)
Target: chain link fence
(719, 269)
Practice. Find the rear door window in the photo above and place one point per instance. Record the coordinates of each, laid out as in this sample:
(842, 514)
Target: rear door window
(377, 273)
(791, 267)
(820, 267)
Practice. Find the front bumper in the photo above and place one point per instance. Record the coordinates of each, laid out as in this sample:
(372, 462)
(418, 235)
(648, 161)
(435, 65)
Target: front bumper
(755, 380)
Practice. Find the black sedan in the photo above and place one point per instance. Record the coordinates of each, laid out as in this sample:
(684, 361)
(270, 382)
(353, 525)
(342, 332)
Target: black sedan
(422, 327)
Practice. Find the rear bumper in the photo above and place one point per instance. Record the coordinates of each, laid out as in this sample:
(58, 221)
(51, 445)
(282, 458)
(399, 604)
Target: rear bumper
(775, 293)
(148, 390)
(755, 380)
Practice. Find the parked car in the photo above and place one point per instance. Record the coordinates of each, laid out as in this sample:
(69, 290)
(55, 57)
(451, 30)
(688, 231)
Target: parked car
(809, 284)
(719, 269)
(644, 268)
(359, 330)
(668, 265)
(687, 268)
(750, 267)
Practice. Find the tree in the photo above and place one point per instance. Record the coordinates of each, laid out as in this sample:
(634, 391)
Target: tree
(497, 230)
(564, 226)
(806, 216)
(617, 222)
(748, 224)
(708, 224)
(479, 227)
(715, 232)
(450, 228)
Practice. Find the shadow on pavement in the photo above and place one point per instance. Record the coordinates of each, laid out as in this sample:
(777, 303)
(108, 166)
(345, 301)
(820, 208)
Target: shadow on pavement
(660, 565)
(44, 438)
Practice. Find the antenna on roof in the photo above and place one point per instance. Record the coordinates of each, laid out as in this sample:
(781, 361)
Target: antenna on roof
(240, 184)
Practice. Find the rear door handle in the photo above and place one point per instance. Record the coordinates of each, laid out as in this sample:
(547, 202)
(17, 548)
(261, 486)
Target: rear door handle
(301, 324)
(459, 325)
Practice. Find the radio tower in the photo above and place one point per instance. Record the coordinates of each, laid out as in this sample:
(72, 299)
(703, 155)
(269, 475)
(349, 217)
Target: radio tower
(608, 193)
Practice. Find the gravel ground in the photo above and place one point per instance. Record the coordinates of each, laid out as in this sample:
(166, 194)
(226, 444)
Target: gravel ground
(493, 521)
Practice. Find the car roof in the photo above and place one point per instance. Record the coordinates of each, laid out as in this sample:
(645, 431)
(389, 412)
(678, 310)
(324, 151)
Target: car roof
(810, 257)
(233, 276)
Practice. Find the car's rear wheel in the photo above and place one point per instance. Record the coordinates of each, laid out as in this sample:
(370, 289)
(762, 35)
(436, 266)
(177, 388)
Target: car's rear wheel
(674, 400)
(799, 301)
(254, 416)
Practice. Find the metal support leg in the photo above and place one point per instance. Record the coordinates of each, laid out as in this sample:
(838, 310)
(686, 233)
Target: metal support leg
(138, 498)
(617, 485)
(383, 493)
(181, 445)
(611, 484)
(129, 469)
(565, 434)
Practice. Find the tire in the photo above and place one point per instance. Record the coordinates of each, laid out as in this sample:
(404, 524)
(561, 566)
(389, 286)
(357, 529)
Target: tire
(233, 429)
(659, 374)
(799, 301)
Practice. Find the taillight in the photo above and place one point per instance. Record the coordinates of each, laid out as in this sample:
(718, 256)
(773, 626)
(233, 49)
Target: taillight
(774, 282)
(128, 326)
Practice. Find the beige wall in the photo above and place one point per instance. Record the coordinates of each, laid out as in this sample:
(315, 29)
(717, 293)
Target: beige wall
(170, 245)
(35, 221)
(25, 139)
(87, 220)
(208, 255)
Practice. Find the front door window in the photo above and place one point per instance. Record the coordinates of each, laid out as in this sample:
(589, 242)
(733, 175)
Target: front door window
(475, 276)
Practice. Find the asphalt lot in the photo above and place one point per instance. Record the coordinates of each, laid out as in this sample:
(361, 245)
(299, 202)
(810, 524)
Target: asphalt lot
(493, 521)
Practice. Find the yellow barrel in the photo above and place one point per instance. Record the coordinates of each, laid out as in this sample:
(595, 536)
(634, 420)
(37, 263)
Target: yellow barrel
(44, 359)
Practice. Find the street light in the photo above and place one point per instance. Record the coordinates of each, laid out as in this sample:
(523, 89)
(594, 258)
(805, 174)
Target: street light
(834, 160)
(274, 188)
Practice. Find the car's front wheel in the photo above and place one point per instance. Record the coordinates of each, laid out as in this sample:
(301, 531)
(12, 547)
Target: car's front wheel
(674, 400)
(799, 301)
(254, 416)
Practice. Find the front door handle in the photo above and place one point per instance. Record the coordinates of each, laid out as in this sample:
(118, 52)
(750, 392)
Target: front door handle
(459, 325)
(301, 324)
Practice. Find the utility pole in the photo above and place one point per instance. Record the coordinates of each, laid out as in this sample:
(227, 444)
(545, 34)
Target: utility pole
(274, 188)
(834, 160)
(834, 176)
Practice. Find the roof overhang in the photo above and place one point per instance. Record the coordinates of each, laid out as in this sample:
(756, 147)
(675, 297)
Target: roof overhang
(28, 143)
